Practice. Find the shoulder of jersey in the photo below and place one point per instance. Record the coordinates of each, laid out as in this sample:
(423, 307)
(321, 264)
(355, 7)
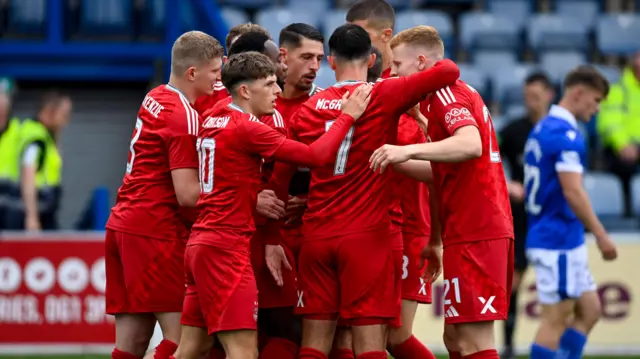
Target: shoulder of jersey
(278, 120)
(218, 86)
(182, 104)
(451, 94)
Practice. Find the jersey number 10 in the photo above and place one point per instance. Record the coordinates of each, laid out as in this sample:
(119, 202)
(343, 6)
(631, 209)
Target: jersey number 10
(206, 154)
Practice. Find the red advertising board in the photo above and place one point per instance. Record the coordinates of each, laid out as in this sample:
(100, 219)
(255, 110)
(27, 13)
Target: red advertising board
(52, 292)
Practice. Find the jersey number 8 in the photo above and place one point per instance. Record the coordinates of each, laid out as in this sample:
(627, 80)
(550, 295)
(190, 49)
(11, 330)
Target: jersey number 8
(206, 153)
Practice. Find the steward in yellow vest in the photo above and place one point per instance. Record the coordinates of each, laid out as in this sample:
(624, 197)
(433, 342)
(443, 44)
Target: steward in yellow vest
(9, 165)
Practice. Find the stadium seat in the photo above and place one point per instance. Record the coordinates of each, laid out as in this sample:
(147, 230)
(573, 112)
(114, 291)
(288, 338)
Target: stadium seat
(325, 77)
(274, 19)
(234, 16)
(249, 4)
(605, 193)
(438, 19)
(635, 194)
(487, 31)
(584, 10)
(617, 34)
(315, 6)
(507, 84)
(492, 61)
(332, 20)
(558, 64)
(27, 17)
(474, 77)
(612, 73)
(557, 32)
(111, 18)
(516, 10)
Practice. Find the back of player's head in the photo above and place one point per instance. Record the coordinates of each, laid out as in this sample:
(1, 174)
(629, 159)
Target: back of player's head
(250, 41)
(192, 49)
(350, 42)
(374, 72)
(377, 13)
(239, 30)
(292, 35)
(589, 76)
(539, 77)
(246, 67)
(422, 36)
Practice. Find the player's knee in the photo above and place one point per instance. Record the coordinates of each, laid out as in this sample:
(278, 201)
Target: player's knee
(589, 314)
(343, 338)
(368, 338)
(450, 339)
(475, 337)
(398, 335)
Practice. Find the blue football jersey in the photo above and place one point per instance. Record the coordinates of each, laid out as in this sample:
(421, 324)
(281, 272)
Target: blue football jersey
(554, 145)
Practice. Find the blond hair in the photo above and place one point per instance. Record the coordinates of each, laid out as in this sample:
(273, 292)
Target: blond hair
(422, 35)
(193, 48)
(239, 30)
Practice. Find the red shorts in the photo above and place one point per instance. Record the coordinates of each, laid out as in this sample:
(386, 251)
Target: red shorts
(351, 276)
(269, 294)
(414, 287)
(221, 289)
(144, 275)
(477, 280)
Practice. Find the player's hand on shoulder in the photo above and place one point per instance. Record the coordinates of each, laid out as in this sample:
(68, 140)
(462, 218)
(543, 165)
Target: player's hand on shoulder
(433, 255)
(607, 247)
(276, 258)
(356, 103)
(269, 205)
(388, 155)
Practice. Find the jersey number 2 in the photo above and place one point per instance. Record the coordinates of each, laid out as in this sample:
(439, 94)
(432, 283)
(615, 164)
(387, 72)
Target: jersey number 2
(494, 155)
(206, 153)
(343, 152)
(132, 151)
(532, 178)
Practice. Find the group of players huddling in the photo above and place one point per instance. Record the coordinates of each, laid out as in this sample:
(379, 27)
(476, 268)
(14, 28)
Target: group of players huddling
(309, 223)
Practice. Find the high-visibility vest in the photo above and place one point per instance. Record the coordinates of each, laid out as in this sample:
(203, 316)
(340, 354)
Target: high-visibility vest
(10, 163)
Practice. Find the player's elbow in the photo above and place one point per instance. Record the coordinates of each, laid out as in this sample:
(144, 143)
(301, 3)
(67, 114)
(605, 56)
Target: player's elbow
(474, 150)
(188, 197)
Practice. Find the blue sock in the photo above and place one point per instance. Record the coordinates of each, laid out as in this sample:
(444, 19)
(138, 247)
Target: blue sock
(572, 343)
(540, 352)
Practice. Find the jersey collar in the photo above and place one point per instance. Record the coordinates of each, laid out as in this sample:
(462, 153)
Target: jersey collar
(564, 114)
(233, 106)
(347, 82)
(175, 89)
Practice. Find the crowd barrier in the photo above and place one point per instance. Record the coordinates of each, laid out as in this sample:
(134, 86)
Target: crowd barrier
(52, 298)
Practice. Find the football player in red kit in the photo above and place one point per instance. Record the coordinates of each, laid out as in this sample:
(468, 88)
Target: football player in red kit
(345, 264)
(410, 201)
(221, 296)
(472, 197)
(302, 48)
(145, 236)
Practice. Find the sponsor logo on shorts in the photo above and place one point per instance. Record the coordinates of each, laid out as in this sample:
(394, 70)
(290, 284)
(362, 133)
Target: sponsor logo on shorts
(255, 310)
(423, 287)
(488, 305)
(300, 302)
(451, 312)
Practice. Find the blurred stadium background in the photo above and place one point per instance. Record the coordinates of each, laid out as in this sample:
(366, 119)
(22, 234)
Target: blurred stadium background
(107, 53)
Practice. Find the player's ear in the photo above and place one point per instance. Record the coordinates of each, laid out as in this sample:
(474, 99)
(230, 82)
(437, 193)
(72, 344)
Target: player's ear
(372, 60)
(386, 35)
(332, 62)
(283, 54)
(422, 62)
(191, 73)
(244, 92)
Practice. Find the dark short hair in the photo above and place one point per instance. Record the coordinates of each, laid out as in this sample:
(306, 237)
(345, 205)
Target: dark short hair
(350, 42)
(293, 34)
(377, 12)
(246, 66)
(251, 41)
(539, 77)
(374, 72)
(589, 76)
(242, 29)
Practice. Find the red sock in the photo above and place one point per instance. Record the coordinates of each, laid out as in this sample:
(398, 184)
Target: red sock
(373, 355)
(310, 353)
(165, 349)
(485, 354)
(455, 355)
(279, 348)
(412, 348)
(119, 354)
(217, 353)
(342, 353)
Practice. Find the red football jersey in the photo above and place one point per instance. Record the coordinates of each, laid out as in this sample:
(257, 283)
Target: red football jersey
(206, 102)
(347, 192)
(472, 195)
(414, 195)
(163, 140)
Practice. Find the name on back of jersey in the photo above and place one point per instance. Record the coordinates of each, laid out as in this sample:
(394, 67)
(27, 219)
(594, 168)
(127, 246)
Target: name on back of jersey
(216, 122)
(324, 104)
(153, 106)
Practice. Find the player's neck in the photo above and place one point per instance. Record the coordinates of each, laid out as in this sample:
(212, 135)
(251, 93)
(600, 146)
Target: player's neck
(184, 88)
(291, 91)
(564, 103)
(349, 72)
(387, 58)
(245, 106)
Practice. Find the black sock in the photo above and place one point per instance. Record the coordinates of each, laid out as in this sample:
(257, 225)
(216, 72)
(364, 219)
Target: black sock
(510, 324)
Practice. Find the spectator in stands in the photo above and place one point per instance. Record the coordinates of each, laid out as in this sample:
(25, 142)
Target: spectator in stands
(619, 127)
(538, 97)
(9, 142)
(41, 172)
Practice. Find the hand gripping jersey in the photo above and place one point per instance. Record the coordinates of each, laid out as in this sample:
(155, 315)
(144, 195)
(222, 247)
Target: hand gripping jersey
(163, 140)
(472, 195)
